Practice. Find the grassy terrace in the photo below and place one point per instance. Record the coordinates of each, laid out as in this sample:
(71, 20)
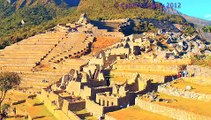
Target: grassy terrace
(197, 107)
(199, 80)
(155, 72)
(181, 84)
(153, 68)
(120, 76)
(40, 111)
(136, 113)
(102, 43)
(119, 79)
(142, 61)
(27, 107)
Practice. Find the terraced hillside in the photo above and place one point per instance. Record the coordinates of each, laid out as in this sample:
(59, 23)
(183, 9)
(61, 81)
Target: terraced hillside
(43, 59)
(33, 57)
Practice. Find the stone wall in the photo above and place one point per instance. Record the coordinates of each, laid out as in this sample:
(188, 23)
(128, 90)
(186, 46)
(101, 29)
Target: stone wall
(169, 112)
(73, 106)
(119, 51)
(99, 90)
(76, 106)
(96, 61)
(73, 87)
(154, 78)
(182, 93)
(86, 92)
(105, 99)
(94, 108)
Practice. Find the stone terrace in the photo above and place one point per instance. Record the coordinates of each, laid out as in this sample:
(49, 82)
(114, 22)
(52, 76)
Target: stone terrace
(134, 113)
(157, 70)
(175, 107)
(27, 57)
(25, 54)
(73, 45)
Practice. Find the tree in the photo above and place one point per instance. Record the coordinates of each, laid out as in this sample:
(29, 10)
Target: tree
(8, 81)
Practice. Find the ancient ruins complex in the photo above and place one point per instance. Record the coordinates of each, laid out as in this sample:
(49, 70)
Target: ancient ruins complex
(127, 78)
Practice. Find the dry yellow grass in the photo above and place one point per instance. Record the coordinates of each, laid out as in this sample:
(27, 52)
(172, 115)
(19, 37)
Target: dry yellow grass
(119, 80)
(15, 96)
(144, 61)
(155, 72)
(136, 113)
(181, 84)
(40, 111)
(102, 43)
(197, 80)
(197, 107)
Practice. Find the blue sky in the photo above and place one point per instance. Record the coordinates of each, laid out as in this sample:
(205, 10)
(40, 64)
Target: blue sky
(196, 8)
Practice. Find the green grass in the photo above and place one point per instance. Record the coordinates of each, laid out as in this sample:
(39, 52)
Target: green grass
(37, 19)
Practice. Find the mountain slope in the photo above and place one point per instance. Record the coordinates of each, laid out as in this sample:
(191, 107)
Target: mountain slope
(194, 20)
(199, 23)
(37, 17)
(40, 15)
(101, 9)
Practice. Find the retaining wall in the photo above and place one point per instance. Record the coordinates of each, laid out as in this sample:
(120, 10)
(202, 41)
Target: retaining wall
(184, 94)
(169, 112)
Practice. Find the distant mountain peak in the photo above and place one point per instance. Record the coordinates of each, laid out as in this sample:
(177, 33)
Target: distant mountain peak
(172, 11)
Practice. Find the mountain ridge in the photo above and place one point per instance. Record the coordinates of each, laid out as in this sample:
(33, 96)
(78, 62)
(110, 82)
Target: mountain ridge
(41, 15)
(194, 20)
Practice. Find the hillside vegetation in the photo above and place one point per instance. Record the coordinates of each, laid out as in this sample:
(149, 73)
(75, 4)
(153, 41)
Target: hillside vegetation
(207, 29)
(101, 9)
(40, 16)
(37, 18)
